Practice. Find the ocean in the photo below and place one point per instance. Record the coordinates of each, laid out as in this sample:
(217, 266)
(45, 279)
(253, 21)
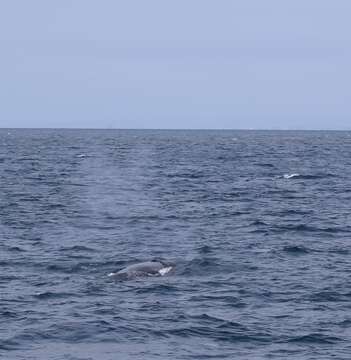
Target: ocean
(257, 223)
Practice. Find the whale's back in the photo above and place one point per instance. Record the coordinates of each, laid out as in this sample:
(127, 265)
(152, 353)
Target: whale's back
(147, 268)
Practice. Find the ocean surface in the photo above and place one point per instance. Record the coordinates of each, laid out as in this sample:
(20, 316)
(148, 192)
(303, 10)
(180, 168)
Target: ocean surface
(258, 224)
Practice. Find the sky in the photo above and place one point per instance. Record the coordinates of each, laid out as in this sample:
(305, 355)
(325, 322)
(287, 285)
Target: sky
(225, 64)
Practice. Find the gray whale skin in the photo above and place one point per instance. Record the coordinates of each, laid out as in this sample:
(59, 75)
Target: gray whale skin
(147, 268)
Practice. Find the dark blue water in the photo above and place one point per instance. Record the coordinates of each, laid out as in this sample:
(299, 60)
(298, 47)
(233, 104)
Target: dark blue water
(258, 224)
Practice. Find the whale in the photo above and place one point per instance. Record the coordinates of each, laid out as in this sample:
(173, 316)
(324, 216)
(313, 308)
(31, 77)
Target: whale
(142, 269)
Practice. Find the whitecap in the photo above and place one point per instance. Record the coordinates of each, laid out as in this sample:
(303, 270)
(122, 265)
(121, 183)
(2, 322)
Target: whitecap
(165, 270)
(289, 176)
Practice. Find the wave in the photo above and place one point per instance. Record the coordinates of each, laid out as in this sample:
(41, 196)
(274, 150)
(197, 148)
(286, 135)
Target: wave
(8, 314)
(186, 175)
(52, 295)
(266, 165)
(308, 176)
(217, 322)
(15, 249)
(258, 223)
(345, 323)
(296, 249)
(290, 176)
(157, 288)
(71, 267)
(9, 345)
(288, 212)
(340, 251)
(202, 266)
(310, 228)
(77, 248)
(231, 335)
(315, 338)
(329, 296)
(204, 249)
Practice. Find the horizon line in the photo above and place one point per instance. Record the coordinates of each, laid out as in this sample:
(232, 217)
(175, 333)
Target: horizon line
(168, 129)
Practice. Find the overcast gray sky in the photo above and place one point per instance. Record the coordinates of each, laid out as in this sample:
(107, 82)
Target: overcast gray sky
(281, 64)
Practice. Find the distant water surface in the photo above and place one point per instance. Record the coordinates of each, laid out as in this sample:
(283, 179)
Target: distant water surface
(257, 222)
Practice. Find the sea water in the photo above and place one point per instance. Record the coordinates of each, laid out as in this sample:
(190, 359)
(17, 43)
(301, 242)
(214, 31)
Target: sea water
(257, 223)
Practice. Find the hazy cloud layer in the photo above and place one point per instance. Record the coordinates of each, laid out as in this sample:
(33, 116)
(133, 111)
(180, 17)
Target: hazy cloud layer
(175, 64)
